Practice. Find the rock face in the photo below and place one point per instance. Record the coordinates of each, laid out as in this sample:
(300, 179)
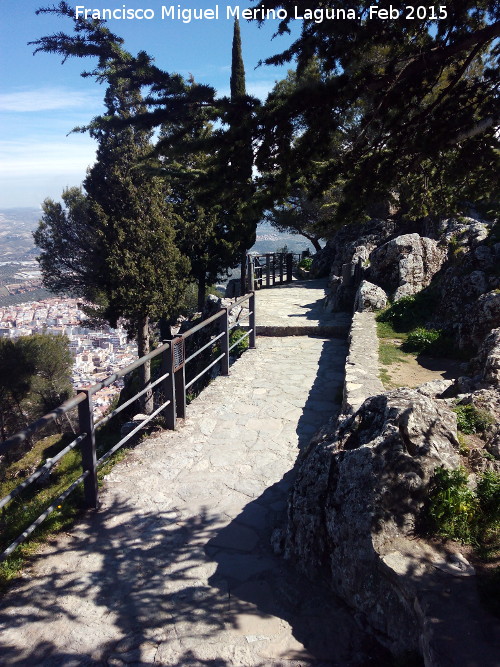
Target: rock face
(369, 297)
(406, 264)
(487, 363)
(457, 257)
(356, 497)
(464, 231)
(345, 257)
(468, 294)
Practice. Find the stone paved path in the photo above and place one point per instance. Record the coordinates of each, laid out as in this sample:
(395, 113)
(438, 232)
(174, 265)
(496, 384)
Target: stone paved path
(177, 566)
(297, 309)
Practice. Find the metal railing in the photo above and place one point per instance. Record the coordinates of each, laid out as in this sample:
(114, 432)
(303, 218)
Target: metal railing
(173, 384)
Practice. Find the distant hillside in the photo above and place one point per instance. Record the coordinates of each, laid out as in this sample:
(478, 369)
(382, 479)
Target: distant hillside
(16, 245)
(16, 228)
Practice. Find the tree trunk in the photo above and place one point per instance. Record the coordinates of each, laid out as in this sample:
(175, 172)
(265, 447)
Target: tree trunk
(202, 288)
(313, 239)
(146, 400)
(316, 245)
(243, 280)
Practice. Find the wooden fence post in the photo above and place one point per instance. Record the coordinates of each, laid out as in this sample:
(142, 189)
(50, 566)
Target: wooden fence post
(168, 387)
(89, 459)
(268, 270)
(251, 274)
(289, 267)
(251, 321)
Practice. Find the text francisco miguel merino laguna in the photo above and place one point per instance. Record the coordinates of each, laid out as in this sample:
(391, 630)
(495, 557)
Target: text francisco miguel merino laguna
(188, 14)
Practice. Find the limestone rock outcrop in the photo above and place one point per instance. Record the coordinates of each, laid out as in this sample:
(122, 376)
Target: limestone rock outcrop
(457, 257)
(463, 231)
(345, 257)
(356, 500)
(406, 264)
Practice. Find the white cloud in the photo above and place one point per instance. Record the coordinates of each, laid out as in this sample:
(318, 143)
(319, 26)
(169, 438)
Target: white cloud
(46, 99)
(44, 158)
(260, 89)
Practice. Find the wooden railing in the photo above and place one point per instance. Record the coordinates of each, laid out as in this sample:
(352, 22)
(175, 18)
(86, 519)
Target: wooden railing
(172, 382)
(270, 269)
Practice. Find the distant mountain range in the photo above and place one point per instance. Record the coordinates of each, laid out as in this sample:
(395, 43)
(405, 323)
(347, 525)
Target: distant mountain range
(17, 226)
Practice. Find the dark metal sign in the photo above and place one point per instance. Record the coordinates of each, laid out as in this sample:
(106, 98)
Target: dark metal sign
(178, 353)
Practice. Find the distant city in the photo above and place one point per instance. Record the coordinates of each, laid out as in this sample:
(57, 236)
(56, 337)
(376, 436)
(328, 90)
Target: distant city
(97, 353)
(26, 307)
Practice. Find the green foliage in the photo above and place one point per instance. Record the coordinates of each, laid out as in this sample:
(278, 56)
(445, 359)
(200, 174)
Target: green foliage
(488, 493)
(434, 342)
(422, 135)
(235, 335)
(463, 446)
(422, 339)
(25, 508)
(386, 330)
(389, 353)
(35, 376)
(306, 263)
(409, 312)
(305, 211)
(471, 419)
(458, 512)
(453, 507)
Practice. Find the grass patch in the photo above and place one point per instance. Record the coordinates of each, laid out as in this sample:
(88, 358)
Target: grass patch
(25, 508)
(385, 377)
(386, 330)
(389, 352)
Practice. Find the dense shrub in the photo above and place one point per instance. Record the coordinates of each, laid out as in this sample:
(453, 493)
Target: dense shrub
(430, 341)
(236, 334)
(409, 312)
(306, 263)
(460, 513)
(422, 339)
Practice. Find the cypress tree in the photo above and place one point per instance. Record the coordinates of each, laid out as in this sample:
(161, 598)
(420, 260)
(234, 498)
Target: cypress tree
(238, 88)
(240, 117)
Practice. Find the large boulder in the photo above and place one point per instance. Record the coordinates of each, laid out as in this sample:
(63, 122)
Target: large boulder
(356, 501)
(406, 264)
(369, 297)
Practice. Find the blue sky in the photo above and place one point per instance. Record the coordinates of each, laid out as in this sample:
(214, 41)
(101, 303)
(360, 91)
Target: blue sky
(41, 100)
